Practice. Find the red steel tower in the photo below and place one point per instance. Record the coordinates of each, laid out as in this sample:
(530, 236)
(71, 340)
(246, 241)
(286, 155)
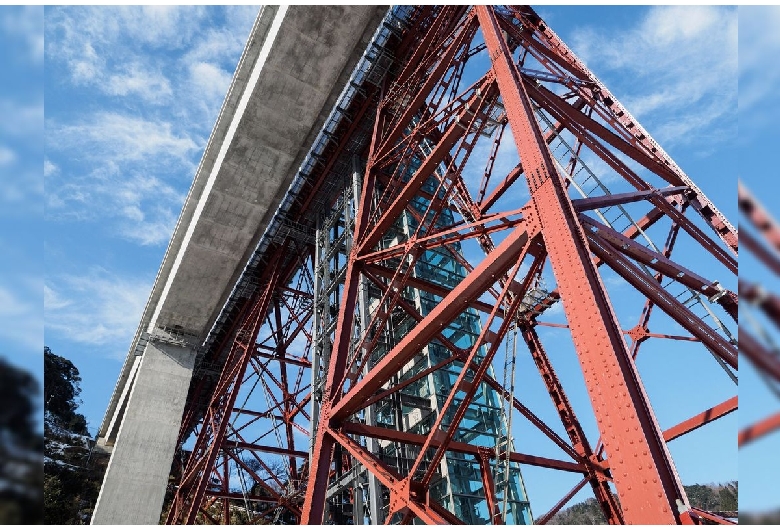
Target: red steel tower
(482, 133)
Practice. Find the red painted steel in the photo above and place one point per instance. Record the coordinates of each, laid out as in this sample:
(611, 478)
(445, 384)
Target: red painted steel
(753, 345)
(624, 416)
(421, 135)
(599, 480)
(489, 485)
(206, 489)
(712, 414)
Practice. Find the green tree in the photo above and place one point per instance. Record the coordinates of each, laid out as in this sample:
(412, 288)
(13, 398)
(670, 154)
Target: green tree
(728, 497)
(713, 498)
(61, 388)
(20, 448)
(18, 392)
(703, 497)
(73, 473)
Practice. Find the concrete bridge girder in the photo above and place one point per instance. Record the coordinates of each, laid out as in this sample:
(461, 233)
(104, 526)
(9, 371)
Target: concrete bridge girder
(292, 71)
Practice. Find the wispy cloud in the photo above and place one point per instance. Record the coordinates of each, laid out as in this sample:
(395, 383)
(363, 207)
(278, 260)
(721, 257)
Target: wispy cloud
(140, 206)
(759, 74)
(98, 308)
(151, 86)
(117, 137)
(21, 119)
(136, 180)
(21, 192)
(7, 156)
(26, 23)
(20, 312)
(49, 168)
(679, 60)
(132, 95)
(211, 80)
(162, 74)
(169, 43)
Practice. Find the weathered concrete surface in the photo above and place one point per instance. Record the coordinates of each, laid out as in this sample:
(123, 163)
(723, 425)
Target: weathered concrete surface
(295, 91)
(134, 486)
(295, 65)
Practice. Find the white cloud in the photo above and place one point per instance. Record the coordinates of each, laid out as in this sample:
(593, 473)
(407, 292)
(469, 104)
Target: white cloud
(87, 67)
(151, 232)
(118, 137)
(98, 308)
(759, 74)
(210, 80)
(21, 119)
(21, 314)
(679, 64)
(128, 163)
(92, 44)
(52, 301)
(215, 45)
(27, 23)
(141, 207)
(237, 17)
(152, 26)
(7, 156)
(22, 189)
(50, 168)
(123, 149)
(21, 185)
(135, 79)
(163, 26)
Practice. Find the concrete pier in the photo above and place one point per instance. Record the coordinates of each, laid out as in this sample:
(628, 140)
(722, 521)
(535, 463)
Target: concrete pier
(134, 485)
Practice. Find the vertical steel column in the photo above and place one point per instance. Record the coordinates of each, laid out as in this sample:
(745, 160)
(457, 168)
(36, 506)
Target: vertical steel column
(316, 334)
(322, 454)
(374, 486)
(645, 478)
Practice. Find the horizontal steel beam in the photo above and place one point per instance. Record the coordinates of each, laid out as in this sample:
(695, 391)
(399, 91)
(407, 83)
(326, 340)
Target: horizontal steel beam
(233, 444)
(458, 447)
(605, 201)
(709, 415)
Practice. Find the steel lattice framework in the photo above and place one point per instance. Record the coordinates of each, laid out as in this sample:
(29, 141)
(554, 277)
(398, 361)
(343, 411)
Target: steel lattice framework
(756, 344)
(283, 411)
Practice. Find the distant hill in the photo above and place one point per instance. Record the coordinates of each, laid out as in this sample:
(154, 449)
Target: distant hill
(712, 498)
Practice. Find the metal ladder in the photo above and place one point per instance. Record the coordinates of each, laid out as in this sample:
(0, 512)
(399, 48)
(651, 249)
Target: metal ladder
(504, 440)
(694, 298)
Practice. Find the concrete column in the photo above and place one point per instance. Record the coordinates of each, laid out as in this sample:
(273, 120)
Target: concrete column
(134, 486)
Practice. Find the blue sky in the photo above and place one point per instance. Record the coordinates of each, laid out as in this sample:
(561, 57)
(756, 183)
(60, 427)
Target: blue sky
(21, 185)
(132, 95)
(759, 73)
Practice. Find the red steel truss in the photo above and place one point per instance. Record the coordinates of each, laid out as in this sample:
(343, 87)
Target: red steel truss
(758, 348)
(247, 434)
(469, 89)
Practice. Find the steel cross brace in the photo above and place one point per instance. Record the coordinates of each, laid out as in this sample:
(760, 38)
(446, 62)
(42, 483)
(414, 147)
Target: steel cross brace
(596, 334)
(597, 478)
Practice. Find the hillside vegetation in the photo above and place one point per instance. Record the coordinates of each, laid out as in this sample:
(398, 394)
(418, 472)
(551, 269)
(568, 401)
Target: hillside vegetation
(73, 472)
(712, 498)
(20, 448)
